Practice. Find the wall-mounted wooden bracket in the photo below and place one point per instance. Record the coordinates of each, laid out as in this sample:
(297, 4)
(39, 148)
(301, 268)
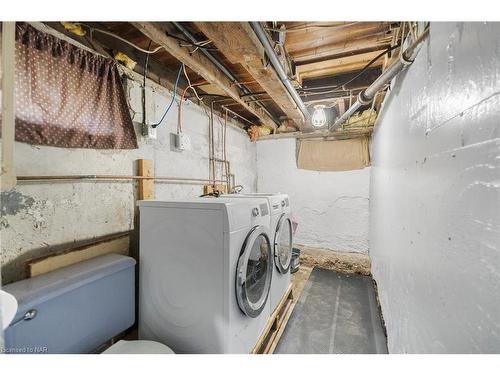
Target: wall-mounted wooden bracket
(145, 168)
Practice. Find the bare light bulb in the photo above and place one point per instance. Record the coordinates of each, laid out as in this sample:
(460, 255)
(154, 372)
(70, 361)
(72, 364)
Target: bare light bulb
(319, 116)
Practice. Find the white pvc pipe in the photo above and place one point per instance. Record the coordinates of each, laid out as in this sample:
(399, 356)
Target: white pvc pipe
(366, 96)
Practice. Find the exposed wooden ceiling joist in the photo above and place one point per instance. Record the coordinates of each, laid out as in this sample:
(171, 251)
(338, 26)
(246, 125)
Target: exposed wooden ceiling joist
(355, 79)
(201, 65)
(320, 98)
(322, 134)
(321, 37)
(348, 45)
(337, 66)
(335, 88)
(345, 53)
(238, 42)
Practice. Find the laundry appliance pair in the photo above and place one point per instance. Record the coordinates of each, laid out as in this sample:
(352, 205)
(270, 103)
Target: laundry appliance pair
(208, 270)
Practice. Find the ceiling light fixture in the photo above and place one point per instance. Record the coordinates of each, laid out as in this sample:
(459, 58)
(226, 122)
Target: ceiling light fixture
(319, 116)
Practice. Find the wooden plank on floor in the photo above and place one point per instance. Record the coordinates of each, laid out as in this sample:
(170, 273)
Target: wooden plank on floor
(118, 244)
(276, 324)
(282, 326)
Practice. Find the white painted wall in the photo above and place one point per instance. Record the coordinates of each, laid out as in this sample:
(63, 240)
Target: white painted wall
(331, 207)
(435, 196)
(37, 218)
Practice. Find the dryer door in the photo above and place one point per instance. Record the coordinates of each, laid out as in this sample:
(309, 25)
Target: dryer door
(283, 244)
(254, 271)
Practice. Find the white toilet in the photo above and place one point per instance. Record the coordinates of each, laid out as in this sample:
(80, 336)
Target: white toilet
(138, 347)
(75, 309)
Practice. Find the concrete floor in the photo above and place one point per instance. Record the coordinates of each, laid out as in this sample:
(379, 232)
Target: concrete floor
(336, 313)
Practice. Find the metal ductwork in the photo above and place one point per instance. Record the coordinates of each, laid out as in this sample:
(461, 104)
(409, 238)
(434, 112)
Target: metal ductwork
(261, 34)
(222, 68)
(366, 96)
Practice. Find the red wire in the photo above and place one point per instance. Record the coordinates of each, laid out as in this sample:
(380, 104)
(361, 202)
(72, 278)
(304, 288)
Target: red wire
(179, 115)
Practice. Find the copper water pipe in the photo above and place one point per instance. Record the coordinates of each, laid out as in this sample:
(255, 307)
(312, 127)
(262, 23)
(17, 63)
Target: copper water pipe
(93, 177)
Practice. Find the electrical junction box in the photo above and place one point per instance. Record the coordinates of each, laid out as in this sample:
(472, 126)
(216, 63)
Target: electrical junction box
(148, 131)
(182, 142)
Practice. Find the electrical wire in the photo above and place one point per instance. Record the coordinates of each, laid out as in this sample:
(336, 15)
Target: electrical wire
(306, 26)
(190, 44)
(370, 63)
(189, 86)
(242, 83)
(189, 83)
(203, 43)
(173, 97)
(365, 68)
(199, 44)
(93, 29)
(187, 43)
(179, 113)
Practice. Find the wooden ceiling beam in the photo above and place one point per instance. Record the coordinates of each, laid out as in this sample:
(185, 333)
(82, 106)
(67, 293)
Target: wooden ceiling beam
(201, 65)
(346, 53)
(343, 65)
(298, 41)
(238, 42)
(315, 98)
(340, 47)
(364, 79)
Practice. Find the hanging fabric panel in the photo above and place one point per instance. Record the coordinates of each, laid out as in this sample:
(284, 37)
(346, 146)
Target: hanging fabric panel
(343, 155)
(68, 97)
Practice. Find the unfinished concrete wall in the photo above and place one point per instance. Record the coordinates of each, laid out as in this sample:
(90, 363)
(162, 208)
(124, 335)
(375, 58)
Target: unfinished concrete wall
(435, 196)
(331, 207)
(39, 218)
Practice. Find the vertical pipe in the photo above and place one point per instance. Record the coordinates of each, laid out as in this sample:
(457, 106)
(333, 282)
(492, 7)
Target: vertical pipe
(212, 157)
(226, 163)
(8, 180)
(210, 146)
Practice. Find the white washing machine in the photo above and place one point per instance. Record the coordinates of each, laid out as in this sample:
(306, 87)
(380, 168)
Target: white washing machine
(205, 273)
(281, 238)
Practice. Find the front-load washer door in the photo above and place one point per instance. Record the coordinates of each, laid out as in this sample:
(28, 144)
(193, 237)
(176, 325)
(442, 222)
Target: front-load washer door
(283, 244)
(254, 272)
